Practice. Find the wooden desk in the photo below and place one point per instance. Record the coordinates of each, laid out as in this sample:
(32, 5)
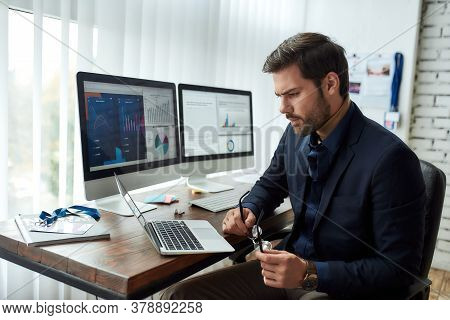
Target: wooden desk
(127, 266)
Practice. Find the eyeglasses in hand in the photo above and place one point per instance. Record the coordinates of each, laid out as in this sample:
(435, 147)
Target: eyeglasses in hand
(255, 235)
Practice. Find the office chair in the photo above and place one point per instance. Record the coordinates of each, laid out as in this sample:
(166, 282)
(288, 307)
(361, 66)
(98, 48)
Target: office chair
(435, 184)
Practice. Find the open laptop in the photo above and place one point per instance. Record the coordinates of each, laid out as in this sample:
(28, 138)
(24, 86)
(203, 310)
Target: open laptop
(172, 237)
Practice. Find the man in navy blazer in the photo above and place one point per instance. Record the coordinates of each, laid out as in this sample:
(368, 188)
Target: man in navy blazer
(356, 190)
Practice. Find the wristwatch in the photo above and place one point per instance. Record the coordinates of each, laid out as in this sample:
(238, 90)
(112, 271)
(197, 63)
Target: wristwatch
(310, 281)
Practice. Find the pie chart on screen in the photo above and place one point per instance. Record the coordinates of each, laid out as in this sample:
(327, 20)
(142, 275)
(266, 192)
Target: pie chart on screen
(230, 145)
(162, 143)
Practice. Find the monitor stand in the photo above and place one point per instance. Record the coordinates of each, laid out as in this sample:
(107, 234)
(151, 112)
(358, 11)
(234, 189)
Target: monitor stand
(202, 184)
(117, 205)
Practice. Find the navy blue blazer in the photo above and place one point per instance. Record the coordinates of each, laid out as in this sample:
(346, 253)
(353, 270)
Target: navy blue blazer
(370, 225)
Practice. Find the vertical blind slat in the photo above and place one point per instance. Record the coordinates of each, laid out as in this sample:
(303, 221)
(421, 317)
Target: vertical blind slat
(212, 45)
(85, 14)
(3, 112)
(37, 109)
(222, 45)
(37, 103)
(132, 41)
(149, 11)
(111, 27)
(63, 116)
(162, 37)
(63, 104)
(3, 136)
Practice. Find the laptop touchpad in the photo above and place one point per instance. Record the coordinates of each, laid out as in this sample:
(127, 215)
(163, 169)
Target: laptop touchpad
(205, 233)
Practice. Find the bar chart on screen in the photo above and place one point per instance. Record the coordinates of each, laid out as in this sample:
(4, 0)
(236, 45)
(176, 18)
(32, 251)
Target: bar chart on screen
(158, 109)
(227, 123)
(132, 128)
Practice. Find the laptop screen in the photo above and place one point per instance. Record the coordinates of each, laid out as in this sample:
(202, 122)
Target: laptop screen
(130, 202)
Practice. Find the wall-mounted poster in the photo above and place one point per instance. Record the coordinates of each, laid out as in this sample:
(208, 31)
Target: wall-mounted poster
(370, 79)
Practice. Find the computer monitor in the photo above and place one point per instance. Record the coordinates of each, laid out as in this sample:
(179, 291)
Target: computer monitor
(216, 133)
(128, 127)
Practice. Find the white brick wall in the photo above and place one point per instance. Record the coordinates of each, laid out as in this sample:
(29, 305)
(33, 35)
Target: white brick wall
(435, 111)
(445, 54)
(443, 245)
(441, 123)
(443, 101)
(446, 31)
(435, 65)
(444, 76)
(441, 144)
(429, 77)
(431, 32)
(430, 121)
(430, 133)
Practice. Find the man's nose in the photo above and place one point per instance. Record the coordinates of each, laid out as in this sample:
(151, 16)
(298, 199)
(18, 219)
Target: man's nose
(285, 106)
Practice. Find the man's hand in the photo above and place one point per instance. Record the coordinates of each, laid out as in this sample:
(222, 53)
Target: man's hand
(233, 224)
(281, 269)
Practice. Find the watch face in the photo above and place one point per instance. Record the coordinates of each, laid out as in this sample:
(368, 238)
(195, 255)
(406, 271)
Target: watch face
(310, 283)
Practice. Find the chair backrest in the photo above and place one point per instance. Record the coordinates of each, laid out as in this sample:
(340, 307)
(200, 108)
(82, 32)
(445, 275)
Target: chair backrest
(435, 193)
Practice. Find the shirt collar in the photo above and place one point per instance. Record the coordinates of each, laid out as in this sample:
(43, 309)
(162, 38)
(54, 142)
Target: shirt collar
(334, 139)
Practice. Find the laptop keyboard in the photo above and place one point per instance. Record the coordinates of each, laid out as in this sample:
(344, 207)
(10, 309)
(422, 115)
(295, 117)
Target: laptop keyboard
(176, 236)
(220, 201)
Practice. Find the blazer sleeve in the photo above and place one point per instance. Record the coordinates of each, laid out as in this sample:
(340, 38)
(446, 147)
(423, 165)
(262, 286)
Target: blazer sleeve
(271, 189)
(398, 217)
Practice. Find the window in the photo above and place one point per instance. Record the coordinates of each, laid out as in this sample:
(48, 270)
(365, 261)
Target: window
(20, 91)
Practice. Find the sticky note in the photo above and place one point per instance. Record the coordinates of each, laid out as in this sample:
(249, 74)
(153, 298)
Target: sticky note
(160, 198)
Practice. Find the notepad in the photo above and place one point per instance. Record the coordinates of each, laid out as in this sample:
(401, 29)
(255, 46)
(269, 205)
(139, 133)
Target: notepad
(26, 225)
(70, 224)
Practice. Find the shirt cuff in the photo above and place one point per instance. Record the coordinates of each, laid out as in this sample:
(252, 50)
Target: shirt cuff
(252, 207)
(323, 275)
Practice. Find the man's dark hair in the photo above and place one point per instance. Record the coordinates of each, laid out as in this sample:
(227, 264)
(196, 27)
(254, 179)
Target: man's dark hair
(315, 54)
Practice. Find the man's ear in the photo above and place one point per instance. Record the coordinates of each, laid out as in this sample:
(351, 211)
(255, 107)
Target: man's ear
(331, 83)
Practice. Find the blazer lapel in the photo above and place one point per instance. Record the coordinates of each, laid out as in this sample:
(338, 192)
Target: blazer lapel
(341, 164)
(344, 156)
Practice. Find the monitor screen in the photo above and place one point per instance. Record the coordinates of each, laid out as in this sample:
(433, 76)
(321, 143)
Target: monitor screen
(127, 124)
(215, 123)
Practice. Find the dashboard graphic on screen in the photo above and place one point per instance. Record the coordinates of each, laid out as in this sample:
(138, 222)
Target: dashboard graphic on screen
(116, 129)
(128, 124)
(215, 122)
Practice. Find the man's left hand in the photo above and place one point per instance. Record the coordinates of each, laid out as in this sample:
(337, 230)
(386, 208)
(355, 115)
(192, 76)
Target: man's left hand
(281, 269)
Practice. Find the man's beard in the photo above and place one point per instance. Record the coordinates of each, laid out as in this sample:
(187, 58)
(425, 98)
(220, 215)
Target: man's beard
(317, 119)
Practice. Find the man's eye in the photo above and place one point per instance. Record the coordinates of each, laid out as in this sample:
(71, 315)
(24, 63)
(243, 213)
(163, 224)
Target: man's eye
(294, 94)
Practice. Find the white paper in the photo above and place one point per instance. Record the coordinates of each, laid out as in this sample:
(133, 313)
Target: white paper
(70, 224)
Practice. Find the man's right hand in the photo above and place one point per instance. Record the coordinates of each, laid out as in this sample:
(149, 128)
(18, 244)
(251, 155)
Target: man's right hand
(233, 224)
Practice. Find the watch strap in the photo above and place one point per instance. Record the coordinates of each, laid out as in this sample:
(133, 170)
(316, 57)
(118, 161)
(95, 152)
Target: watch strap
(310, 282)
